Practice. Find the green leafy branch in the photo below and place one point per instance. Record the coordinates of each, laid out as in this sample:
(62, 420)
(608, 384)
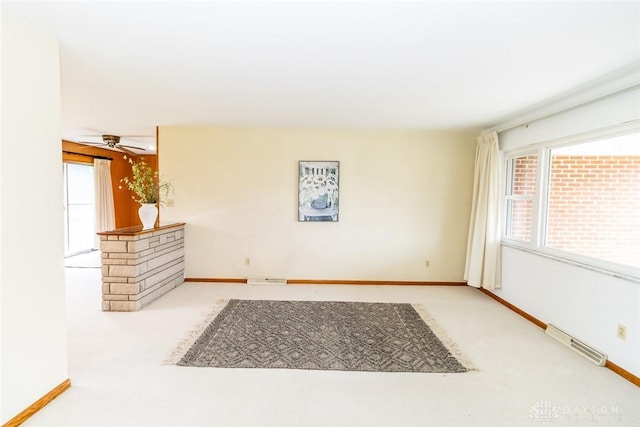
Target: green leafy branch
(145, 183)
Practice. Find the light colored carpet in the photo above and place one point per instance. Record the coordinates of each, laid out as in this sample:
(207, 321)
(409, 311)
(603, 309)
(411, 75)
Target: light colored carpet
(524, 377)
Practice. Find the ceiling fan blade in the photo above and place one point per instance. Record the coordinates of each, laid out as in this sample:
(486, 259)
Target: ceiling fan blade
(131, 146)
(126, 150)
(91, 143)
(99, 135)
(83, 147)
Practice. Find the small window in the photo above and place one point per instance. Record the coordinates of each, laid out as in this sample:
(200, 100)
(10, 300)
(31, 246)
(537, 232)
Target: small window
(520, 195)
(593, 200)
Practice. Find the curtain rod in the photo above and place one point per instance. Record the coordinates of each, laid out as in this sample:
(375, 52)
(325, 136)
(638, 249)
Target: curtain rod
(88, 155)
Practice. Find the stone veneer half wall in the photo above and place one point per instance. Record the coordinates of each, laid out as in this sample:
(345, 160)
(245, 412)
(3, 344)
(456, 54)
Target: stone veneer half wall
(139, 266)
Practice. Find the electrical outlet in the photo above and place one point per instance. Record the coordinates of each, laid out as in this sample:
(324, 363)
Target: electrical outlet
(427, 263)
(247, 261)
(622, 332)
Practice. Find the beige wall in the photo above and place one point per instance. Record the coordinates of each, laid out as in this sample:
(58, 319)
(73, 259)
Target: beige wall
(404, 198)
(34, 341)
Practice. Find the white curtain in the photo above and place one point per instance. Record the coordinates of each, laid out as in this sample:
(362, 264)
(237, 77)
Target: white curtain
(105, 213)
(482, 268)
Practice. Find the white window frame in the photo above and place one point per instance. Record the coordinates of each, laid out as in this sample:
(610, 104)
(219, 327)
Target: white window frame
(537, 244)
(506, 196)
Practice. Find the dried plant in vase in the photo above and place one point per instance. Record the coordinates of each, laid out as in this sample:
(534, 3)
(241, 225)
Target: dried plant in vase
(145, 183)
(147, 190)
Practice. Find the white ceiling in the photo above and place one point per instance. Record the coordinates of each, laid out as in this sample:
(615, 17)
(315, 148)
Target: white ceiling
(130, 66)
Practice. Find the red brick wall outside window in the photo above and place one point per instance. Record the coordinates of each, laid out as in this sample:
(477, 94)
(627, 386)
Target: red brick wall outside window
(594, 206)
(523, 185)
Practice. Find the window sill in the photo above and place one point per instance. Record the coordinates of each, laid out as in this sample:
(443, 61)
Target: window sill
(624, 275)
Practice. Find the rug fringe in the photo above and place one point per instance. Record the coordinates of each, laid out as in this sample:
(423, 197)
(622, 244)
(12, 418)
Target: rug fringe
(190, 338)
(444, 337)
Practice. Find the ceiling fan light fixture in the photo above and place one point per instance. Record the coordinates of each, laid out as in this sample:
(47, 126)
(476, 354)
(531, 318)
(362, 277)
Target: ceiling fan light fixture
(111, 140)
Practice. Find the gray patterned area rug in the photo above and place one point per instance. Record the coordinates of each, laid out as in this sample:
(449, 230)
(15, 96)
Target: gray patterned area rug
(321, 335)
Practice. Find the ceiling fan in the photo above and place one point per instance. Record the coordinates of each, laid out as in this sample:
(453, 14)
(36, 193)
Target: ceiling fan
(113, 142)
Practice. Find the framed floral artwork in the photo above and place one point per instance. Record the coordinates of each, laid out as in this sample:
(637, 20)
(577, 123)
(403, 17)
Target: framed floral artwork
(318, 190)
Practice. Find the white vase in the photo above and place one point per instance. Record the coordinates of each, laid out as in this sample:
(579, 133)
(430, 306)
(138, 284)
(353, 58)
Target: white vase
(148, 213)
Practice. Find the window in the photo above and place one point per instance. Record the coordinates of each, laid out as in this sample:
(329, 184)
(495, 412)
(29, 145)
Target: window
(589, 198)
(521, 191)
(594, 200)
(79, 208)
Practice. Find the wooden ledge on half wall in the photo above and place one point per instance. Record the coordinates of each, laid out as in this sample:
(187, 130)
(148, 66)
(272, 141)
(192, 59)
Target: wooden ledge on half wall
(139, 229)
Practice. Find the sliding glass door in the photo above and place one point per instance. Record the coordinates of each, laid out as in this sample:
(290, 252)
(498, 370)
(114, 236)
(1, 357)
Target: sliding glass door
(79, 208)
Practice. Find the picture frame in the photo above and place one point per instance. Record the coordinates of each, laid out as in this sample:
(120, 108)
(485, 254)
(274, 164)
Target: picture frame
(318, 191)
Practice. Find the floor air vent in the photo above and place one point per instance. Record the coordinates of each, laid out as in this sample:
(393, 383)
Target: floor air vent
(265, 281)
(586, 350)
